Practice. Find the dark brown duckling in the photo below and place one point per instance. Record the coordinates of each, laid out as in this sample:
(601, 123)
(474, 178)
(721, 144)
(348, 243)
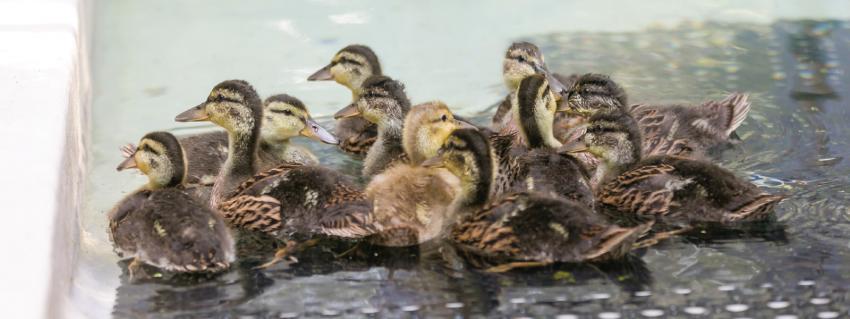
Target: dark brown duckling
(350, 67)
(521, 229)
(671, 189)
(539, 165)
(162, 224)
(691, 131)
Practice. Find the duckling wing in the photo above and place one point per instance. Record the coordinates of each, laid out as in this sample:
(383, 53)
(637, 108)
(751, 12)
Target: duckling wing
(205, 153)
(121, 219)
(645, 192)
(170, 230)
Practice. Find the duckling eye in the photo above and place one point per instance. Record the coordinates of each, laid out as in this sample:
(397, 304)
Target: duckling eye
(521, 59)
(444, 118)
(349, 61)
(284, 112)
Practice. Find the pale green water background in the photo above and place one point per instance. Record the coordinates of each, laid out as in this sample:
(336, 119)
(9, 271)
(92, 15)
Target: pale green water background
(153, 59)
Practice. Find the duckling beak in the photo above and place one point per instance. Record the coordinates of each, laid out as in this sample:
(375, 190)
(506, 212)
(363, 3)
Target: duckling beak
(323, 74)
(462, 123)
(346, 112)
(316, 132)
(434, 162)
(554, 83)
(574, 147)
(195, 114)
(128, 163)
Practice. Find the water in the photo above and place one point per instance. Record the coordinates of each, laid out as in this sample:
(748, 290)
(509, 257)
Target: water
(152, 60)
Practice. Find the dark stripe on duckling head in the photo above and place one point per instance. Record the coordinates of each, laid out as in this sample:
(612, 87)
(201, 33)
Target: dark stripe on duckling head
(599, 85)
(618, 121)
(393, 88)
(174, 153)
(287, 99)
(528, 47)
(475, 143)
(366, 53)
(527, 96)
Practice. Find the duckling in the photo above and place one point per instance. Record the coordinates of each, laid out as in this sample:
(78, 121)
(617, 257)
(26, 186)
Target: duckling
(287, 200)
(384, 103)
(689, 131)
(285, 117)
(539, 165)
(161, 224)
(412, 202)
(671, 189)
(350, 67)
(521, 229)
(524, 59)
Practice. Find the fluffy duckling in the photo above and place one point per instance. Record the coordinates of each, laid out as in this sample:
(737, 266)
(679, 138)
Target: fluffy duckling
(689, 131)
(671, 189)
(384, 103)
(524, 59)
(350, 67)
(410, 201)
(285, 117)
(161, 224)
(521, 229)
(539, 165)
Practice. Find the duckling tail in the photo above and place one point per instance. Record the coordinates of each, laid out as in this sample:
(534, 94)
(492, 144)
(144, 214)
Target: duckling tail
(757, 209)
(739, 106)
(616, 242)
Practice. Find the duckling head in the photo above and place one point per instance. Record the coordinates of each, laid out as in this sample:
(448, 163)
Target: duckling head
(350, 67)
(159, 156)
(382, 102)
(522, 60)
(466, 153)
(535, 105)
(614, 138)
(426, 127)
(284, 117)
(592, 92)
(233, 105)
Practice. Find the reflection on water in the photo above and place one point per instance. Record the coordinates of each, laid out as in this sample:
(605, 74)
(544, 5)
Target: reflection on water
(793, 143)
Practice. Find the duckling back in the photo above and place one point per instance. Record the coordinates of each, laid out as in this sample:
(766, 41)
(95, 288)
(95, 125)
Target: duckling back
(169, 229)
(414, 200)
(300, 199)
(690, 131)
(684, 191)
(536, 227)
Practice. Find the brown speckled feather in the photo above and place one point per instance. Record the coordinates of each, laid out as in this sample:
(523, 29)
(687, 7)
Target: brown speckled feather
(681, 190)
(535, 227)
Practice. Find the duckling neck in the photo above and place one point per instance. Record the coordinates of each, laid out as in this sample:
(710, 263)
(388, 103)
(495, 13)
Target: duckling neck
(277, 147)
(537, 139)
(475, 187)
(387, 147)
(535, 133)
(239, 166)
